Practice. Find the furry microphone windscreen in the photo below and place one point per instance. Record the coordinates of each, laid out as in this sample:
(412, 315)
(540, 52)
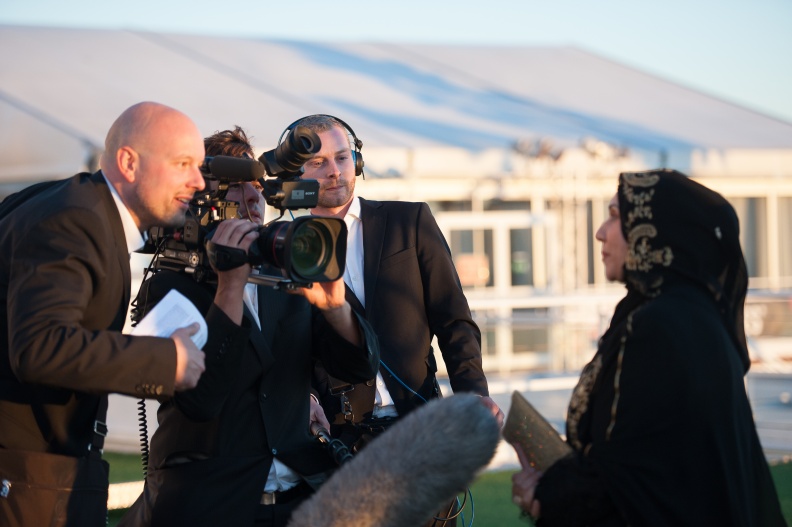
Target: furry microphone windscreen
(410, 472)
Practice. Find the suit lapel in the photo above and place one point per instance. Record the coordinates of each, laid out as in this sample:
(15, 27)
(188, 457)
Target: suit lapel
(257, 339)
(114, 218)
(374, 219)
(268, 301)
(261, 340)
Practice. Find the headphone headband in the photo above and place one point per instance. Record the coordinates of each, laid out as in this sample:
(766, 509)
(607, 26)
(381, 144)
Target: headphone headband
(357, 143)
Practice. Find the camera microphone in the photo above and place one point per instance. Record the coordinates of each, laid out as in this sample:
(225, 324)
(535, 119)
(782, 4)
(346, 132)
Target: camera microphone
(232, 169)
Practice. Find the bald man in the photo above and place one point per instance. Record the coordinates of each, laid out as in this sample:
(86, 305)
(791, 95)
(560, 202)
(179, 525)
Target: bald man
(65, 288)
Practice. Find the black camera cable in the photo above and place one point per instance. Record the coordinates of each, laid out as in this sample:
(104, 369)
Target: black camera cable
(136, 316)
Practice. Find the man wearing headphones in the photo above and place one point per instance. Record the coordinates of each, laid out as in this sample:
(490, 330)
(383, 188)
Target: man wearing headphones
(399, 272)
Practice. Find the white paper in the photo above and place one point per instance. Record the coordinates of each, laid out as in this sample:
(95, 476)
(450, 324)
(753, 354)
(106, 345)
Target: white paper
(174, 311)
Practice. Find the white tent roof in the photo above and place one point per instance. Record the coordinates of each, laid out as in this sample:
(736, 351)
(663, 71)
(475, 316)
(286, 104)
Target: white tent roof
(61, 89)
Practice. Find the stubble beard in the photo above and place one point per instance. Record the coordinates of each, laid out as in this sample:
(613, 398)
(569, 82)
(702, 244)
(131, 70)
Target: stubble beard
(149, 217)
(336, 199)
(173, 221)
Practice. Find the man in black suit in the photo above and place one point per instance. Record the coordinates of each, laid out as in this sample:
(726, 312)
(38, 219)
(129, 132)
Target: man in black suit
(237, 450)
(400, 273)
(65, 288)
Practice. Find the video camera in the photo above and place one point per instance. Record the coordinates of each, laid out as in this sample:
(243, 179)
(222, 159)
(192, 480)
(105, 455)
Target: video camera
(305, 250)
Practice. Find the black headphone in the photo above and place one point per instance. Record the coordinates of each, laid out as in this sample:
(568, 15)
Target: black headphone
(356, 155)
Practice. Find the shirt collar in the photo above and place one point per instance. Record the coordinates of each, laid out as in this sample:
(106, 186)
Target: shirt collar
(354, 208)
(134, 240)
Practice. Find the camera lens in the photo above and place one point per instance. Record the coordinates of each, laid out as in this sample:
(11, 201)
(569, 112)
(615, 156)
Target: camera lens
(307, 249)
(310, 250)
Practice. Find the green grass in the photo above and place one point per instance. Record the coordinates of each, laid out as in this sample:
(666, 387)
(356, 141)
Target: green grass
(782, 475)
(124, 467)
(491, 493)
(493, 500)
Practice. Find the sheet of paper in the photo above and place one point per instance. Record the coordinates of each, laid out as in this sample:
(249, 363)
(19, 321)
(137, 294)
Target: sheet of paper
(174, 311)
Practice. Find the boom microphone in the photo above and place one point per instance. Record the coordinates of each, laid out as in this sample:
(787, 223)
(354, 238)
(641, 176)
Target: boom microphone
(408, 473)
(232, 169)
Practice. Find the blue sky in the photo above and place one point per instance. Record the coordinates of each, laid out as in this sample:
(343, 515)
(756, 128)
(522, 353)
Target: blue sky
(735, 50)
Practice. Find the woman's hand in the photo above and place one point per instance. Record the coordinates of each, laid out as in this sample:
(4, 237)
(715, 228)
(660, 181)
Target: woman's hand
(524, 485)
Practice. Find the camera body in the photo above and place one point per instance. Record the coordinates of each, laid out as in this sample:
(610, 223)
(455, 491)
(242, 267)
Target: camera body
(183, 249)
(301, 251)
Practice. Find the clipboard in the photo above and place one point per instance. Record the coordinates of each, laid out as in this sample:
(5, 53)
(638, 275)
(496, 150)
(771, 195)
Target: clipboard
(537, 437)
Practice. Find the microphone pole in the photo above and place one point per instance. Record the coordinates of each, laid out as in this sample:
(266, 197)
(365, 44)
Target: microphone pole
(337, 449)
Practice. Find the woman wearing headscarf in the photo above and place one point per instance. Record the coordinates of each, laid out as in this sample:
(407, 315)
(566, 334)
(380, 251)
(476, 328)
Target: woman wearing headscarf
(660, 424)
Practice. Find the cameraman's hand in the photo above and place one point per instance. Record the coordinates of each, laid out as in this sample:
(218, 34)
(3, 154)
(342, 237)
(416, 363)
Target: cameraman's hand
(329, 297)
(189, 359)
(317, 415)
(237, 234)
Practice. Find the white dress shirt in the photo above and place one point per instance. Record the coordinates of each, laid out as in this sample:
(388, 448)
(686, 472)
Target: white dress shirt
(134, 239)
(280, 476)
(353, 277)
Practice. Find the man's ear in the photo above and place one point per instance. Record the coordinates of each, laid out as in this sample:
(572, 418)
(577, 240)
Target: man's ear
(128, 162)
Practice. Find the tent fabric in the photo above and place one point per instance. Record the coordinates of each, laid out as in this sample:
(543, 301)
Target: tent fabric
(62, 88)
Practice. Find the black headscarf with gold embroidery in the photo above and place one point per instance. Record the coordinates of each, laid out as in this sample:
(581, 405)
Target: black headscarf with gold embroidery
(677, 229)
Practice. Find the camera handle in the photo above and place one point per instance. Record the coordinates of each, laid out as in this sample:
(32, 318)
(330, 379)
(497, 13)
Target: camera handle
(276, 282)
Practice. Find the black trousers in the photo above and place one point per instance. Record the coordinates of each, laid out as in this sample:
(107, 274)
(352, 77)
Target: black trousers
(279, 514)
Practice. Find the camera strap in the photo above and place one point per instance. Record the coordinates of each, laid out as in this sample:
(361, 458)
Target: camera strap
(340, 391)
(96, 446)
(225, 258)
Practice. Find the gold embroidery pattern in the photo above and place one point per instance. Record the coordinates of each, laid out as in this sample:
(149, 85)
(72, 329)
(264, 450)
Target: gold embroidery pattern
(579, 402)
(617, 377)
(641, 179)
(641, 202)
(640, 254)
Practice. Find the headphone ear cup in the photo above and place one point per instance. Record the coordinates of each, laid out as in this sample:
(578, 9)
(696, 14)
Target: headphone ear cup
(358, 158)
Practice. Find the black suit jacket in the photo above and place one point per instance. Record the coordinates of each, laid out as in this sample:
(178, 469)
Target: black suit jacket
(250, 405)
(412, 293)
(65, 287)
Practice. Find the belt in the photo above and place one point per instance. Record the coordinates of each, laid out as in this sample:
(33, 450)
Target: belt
(284, 496)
